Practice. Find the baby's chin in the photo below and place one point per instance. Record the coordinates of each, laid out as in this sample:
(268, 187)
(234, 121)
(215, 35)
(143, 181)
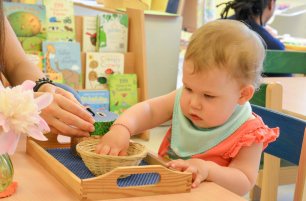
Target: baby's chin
(200, 122)
(205, 125)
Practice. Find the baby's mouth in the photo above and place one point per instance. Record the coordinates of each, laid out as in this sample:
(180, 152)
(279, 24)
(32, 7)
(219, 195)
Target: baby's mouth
(195, 117)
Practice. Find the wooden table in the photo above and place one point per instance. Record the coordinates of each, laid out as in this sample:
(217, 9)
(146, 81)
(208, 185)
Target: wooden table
(36, 184)
(294, 94)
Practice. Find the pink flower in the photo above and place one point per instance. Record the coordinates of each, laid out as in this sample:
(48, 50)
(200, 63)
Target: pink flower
(19, 115)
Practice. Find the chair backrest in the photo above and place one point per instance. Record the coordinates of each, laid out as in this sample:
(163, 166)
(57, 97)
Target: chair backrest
(279, 61)
(290, 145)
(268, 95)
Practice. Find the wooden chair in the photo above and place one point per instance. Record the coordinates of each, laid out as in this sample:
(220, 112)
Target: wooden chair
(285, 62)
(270, 96)
(289, 146)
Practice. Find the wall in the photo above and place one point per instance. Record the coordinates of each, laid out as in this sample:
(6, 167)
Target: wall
(162, 43)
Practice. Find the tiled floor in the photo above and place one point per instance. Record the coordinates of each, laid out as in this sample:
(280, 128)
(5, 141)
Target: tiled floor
(285, 192)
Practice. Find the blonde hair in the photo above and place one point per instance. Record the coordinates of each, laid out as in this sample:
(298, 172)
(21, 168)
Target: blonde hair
(229, 45)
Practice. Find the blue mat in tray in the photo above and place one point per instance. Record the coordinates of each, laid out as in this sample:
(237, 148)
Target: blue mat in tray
(77, 166)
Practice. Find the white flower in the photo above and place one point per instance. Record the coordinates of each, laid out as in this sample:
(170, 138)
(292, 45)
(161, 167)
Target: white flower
(19, 114)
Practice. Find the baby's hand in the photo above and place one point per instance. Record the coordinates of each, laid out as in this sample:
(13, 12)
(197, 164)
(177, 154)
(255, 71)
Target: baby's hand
(197, 167)
(115, 142)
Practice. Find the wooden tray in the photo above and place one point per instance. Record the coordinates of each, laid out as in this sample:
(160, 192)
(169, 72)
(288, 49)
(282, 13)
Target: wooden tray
(105, 186)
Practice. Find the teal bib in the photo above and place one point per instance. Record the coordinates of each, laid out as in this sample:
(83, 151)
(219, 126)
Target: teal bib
(188, 140)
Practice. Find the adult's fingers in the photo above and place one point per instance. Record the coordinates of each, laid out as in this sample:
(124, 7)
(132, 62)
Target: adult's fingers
(73, 108)
(66, 94)
(74, 121)
(54, 130)
(68, 130)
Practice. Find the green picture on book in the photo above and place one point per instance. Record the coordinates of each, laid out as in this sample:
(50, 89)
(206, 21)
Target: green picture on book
(123, 92)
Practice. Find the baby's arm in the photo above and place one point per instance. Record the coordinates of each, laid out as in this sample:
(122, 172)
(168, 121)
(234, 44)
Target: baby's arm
(138, 118)
(239, 177)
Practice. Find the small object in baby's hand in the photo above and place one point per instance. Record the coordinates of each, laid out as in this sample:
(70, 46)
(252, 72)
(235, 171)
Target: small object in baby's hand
(103, 121)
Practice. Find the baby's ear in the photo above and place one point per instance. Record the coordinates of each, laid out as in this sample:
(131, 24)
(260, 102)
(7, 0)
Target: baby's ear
(246, 93)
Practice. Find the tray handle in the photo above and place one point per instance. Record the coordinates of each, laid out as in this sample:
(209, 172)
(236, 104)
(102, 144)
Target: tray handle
(171, 181)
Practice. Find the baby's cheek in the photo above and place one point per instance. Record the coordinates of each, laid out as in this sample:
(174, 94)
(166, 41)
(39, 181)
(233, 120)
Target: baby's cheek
(184, 105)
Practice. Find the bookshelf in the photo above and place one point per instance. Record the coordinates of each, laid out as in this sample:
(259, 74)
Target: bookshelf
(135, 58)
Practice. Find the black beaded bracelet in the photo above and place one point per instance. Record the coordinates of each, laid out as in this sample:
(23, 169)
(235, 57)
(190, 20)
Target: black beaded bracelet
(41, 82)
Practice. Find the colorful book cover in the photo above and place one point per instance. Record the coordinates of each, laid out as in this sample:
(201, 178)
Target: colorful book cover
(159, 5)
(89, 33)
(56, 77)
(112, 32)
(123, 92)
(60, 20)
(99, 66)
(29, 1)
(36, 57)
(97, 100)
(63, 58)
(28, 22)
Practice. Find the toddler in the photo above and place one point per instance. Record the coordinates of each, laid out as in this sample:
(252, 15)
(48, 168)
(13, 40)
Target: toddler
(214, 134)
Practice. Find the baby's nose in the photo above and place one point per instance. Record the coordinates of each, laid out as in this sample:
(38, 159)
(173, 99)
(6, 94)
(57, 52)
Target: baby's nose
(195, 102)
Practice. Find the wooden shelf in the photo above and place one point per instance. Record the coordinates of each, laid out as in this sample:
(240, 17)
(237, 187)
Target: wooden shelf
(135, 58)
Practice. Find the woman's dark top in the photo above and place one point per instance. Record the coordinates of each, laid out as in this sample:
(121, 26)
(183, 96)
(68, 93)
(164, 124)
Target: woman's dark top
(271, 42)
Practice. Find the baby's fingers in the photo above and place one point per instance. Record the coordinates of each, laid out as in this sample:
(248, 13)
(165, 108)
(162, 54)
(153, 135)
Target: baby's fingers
(196, 176)
(179, 164)
(114, 152)
(103, 149)
(198, 179)
(123, 153)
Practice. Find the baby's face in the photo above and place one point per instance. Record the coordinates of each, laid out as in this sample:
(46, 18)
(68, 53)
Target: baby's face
(208, 98)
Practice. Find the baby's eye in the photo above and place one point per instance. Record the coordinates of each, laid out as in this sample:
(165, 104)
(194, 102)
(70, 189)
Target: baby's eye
(209, 96)
(188, 89)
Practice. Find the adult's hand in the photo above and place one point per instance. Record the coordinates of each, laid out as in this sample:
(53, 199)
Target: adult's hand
(65, 115)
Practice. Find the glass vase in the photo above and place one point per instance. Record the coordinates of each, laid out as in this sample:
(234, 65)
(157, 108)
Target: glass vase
(6, 171)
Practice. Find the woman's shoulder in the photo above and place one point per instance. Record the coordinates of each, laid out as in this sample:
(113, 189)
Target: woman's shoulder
(271, 41)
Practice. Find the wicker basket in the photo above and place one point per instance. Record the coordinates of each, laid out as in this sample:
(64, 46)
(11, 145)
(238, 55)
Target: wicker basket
(100, 164)
(104, 121)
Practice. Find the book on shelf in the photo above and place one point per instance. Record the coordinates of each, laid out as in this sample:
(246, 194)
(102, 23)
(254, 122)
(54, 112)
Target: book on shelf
(60, 23)
(56, 77)
(62, 59)
(112, 32)
(98, 100)
(159, 5)
(28, 22)
(98, 67)
(172, 6)
(123, 92)
(89, 34)
(28, 1)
